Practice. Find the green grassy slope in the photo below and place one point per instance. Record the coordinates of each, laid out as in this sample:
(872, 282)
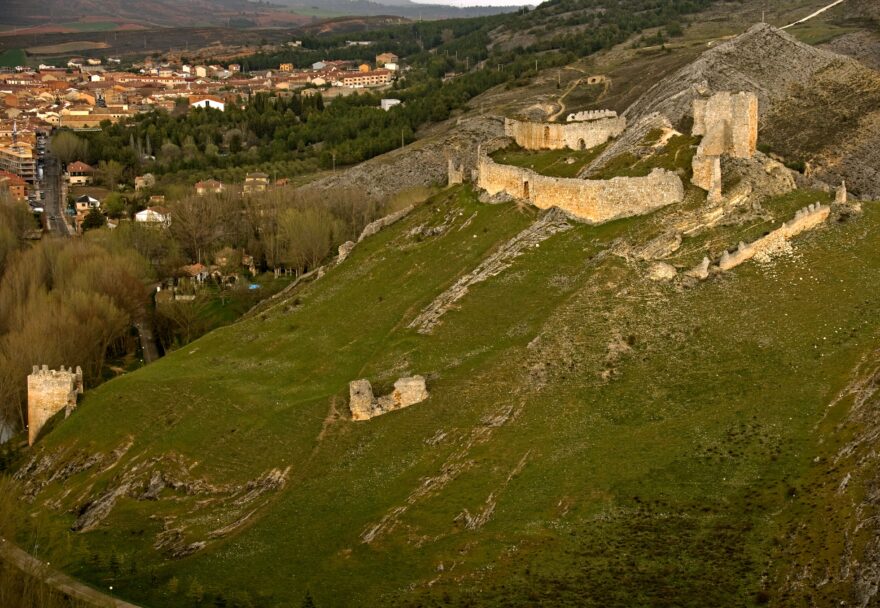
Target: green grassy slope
(592, 438)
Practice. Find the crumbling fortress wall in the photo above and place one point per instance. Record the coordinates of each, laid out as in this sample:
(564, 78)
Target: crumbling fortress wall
(593, 201)
(590, 115)
(557, 136)
(49, 392)
(364, 405)
(728, 123)
(805, 219)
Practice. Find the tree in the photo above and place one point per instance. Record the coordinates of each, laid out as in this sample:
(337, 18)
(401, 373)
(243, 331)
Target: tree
(203, 224)
(308, 602)
(306, 235)
(110, 172)
(94, 219)
(114, 205)
(68, 147)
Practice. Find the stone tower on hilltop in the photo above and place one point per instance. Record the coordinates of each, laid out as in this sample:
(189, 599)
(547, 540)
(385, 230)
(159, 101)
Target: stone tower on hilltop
(728, 123)
(50, 391)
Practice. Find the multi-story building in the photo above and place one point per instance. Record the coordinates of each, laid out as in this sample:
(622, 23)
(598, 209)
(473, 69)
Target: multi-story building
(366, 79)
(19, 159)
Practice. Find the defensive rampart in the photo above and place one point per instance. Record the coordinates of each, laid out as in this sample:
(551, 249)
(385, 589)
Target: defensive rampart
(590, 115)
(593, 201)
(805, 219)
(557, 136)
(49, 392)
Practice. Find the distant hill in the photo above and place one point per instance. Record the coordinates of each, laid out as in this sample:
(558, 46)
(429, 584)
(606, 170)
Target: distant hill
(92, 15)
(43, 16)
(401, 8)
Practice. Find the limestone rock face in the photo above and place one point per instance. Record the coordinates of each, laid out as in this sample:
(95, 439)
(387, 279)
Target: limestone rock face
(363, 405)
(344, 250)
(661, 271)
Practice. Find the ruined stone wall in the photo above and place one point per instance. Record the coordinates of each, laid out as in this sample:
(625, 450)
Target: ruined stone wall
(593, 201)
(455, 172)
(805, 219)
(364, 405)
(590, 115)
(555, 136)
(49, 392)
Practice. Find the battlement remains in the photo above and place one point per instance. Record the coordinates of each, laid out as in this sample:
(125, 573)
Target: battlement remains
(557, 136)
(592, 201)
(805, 219)
(587, 115)
(50, 391)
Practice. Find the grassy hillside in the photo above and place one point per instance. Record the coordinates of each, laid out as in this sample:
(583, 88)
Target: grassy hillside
(592, 438)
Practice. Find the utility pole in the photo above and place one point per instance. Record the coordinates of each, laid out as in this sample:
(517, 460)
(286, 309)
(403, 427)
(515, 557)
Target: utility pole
(402, 145)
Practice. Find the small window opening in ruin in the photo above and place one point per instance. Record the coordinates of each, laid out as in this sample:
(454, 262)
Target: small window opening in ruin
(546, 134)
(582, 145)
(526, 189)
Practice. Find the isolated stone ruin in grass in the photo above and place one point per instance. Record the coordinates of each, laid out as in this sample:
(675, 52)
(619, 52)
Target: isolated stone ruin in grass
(49, 392)
(364, 405)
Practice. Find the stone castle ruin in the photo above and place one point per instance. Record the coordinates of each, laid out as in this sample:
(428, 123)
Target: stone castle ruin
(592, 201)
(364, 405)
(590, 115)
(49, 392)
(556, 136)
(728, 123)
(805, 219)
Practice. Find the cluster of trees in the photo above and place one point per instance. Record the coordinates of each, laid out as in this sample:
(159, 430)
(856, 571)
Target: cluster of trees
(64, 302)
(282, 228)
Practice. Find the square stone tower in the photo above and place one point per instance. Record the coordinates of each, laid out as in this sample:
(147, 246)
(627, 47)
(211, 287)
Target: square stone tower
(728, 123)
(50, 391)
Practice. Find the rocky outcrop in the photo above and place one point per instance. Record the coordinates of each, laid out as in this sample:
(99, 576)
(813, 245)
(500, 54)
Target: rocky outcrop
(344, 250)
(383, 222)
(423, 163)
(764, 60)
(364, 405)
(815, 106)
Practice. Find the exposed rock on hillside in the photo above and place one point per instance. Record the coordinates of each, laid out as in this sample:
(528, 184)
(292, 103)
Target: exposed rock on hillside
(816, 106)
(423, 163)
(764, 60)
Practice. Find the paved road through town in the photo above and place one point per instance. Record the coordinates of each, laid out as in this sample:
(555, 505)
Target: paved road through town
(53, 206)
